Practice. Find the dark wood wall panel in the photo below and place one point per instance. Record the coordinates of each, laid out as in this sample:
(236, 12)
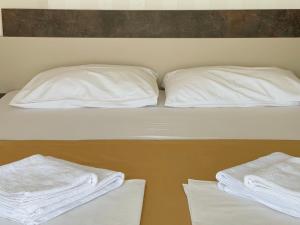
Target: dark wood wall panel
(151, 24)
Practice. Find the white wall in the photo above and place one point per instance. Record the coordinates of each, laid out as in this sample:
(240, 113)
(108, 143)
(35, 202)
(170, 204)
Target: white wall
(161, 54)
(23, 3)
(152, 4)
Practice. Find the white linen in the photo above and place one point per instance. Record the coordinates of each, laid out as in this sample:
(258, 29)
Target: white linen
(282, 178)
(121, 206)
(107, 86)
(230, 86)
(232, 181)
(149, 123)
(37, 189)
(210, 206)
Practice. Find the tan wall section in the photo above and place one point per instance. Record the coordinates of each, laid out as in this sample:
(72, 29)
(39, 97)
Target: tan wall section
(23, 58)
(23, 3)
(152, 4)
(174, 4)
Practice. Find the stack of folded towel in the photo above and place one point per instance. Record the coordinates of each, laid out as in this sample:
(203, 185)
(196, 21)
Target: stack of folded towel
(37, 189)
(273, 180)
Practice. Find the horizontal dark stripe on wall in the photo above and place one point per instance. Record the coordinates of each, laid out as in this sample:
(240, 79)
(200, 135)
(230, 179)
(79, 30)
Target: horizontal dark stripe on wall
(151, 24)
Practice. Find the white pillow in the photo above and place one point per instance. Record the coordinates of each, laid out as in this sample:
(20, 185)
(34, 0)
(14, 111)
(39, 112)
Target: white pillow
(231, 86)
(107, 86)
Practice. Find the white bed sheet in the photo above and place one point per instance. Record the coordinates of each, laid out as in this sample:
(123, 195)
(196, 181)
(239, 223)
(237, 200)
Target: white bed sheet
(122, 206)
(210, 206)
(150, 123)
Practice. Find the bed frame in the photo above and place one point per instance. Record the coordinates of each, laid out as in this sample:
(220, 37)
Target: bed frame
(166, 165)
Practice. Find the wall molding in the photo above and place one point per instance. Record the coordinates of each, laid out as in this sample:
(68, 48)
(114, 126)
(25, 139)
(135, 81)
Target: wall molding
(151, 23)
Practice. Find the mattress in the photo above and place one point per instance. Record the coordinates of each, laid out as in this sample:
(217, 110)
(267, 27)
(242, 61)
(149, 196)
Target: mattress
(122, 206)
(149, 123)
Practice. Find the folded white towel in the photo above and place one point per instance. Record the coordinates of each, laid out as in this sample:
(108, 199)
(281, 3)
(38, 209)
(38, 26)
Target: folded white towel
(37, 189)
(210, 206)
(122, 206)
(282, 178)
(37, 176)
(246, 181)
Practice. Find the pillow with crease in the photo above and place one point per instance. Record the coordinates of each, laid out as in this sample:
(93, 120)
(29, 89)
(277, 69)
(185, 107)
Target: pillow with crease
(231, 86)
(105, 86)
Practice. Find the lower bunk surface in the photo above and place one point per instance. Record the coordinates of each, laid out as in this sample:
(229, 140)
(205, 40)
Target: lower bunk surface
(165, 165)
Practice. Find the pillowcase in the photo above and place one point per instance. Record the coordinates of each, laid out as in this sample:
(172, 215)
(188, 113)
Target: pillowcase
(230, 86)
(108, 86)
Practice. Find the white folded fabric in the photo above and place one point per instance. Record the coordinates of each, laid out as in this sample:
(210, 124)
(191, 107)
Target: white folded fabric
(247, 181)
(121, 206)
(282, 178)
(210, 206)
(37, 189)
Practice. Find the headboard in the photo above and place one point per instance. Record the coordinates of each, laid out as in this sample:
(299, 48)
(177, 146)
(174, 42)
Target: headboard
(23, 57)
(151, 23)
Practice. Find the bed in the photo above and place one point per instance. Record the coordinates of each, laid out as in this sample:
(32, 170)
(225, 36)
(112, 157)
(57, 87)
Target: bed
(165, 146)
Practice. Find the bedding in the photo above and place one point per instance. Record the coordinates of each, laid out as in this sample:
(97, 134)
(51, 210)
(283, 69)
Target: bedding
(107, 86)
(210, 206)
(165, 146)
(235, 181)
(39, 188)
(123, 206)
(165, 165)
(231, 86)
(149, 123)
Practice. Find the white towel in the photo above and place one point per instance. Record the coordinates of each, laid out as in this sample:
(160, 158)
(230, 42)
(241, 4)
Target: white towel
(122, 206)
(236, 181)
(37, 189)
(210, 206)
(282, 178)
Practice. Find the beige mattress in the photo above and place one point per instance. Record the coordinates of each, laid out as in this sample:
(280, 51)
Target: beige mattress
(150, 123)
